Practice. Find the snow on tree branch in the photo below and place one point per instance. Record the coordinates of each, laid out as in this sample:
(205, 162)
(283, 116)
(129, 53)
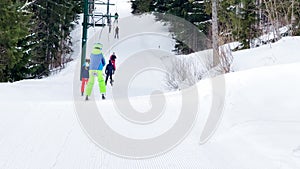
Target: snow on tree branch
(27, 4)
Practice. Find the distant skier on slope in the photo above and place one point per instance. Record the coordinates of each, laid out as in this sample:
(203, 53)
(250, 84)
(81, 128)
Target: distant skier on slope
(117, 33)
(96, 66)
(109, 71)
(85, 75)
(109, 24)
(116, 17)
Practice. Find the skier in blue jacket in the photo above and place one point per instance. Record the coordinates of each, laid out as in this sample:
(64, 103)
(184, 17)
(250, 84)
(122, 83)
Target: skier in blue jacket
(97, 63)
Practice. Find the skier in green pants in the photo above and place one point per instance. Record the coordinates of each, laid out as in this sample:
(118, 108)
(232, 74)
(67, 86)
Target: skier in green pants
(97, 63)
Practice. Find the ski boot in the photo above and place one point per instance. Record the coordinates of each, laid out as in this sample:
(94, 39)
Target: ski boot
(103, 97)
(87, 97)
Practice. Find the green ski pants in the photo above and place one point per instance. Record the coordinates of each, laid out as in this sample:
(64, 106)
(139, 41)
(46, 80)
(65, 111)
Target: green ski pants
(90, 84)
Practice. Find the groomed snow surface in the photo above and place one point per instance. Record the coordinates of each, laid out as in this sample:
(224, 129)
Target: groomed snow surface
(259, 128)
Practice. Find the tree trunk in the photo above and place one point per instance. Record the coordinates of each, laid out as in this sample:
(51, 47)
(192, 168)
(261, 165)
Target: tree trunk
(275, 8)
(292, 18)
(215, 45)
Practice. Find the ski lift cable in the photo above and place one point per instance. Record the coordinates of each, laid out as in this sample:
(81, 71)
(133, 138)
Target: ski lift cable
(108, 39)
(100, 35)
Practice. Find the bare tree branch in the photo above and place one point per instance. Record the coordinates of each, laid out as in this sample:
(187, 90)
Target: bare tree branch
(27, 4)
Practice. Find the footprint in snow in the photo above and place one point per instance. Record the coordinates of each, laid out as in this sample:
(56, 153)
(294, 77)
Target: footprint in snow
(296, 152)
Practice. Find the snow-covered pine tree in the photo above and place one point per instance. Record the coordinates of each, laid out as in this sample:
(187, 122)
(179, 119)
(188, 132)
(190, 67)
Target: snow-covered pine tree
(191, 10)
(54, 22)
(38, 39)
(238, 21)
(13, 30)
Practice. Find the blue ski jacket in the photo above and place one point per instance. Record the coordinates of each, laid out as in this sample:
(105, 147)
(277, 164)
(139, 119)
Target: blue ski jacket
(97, 59)
(85, 71)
